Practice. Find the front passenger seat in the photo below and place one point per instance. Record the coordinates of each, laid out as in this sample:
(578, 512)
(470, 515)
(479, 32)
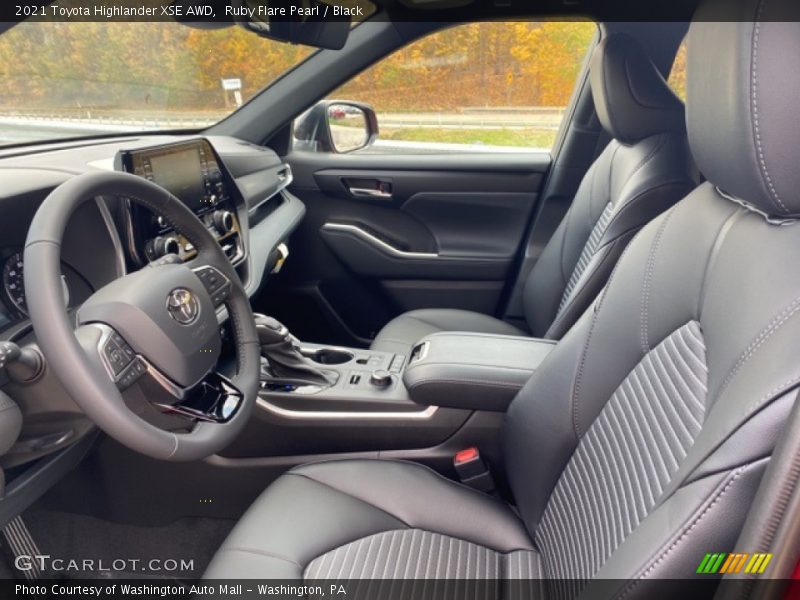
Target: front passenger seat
(643, 171)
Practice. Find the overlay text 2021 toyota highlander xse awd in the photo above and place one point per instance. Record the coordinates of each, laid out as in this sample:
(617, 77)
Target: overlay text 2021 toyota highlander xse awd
(400, 299)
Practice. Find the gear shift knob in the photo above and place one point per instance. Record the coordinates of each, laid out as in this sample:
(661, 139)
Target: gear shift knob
(270, 330)
(282, 351)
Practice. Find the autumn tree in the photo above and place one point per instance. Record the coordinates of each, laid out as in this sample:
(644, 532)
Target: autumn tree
(166, 66)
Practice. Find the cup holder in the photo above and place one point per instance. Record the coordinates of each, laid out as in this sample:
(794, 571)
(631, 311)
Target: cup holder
(330, 356)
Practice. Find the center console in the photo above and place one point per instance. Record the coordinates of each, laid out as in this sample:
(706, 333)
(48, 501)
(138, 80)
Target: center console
(303, 379)
(460, 370)
(193, 173)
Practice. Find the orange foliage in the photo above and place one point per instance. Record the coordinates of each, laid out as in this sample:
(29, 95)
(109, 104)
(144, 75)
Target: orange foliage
(480, 64)
(168, 66)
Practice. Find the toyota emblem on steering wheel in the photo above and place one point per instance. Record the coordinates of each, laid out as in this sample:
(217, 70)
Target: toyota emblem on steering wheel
(183, 306)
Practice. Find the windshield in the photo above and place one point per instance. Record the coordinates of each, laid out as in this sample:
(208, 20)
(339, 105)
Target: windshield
(62, 80)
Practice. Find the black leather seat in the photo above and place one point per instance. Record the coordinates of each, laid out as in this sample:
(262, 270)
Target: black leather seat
(639, 443)
(643, 171)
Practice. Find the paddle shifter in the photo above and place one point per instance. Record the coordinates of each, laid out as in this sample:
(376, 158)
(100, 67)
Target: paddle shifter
(285, 360)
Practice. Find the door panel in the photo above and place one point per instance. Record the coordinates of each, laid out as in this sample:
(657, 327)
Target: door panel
(445, 232)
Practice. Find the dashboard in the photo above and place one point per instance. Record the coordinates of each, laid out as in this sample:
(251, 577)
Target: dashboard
(237, 189)
(75, 287)
(194, 174)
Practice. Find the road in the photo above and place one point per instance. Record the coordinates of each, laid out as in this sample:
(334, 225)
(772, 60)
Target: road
(14, 131)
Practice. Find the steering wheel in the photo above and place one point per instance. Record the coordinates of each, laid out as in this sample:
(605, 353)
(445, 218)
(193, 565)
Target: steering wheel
(155, 329)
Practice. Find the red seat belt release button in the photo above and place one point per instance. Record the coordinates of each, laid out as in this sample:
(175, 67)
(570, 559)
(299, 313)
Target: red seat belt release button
(472, 470)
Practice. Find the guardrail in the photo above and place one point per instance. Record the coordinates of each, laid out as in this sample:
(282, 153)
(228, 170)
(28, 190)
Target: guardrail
(472, 118)
(54, 119)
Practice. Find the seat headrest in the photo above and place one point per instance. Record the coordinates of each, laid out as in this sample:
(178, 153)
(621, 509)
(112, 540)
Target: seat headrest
(743, 100)
(631, 98)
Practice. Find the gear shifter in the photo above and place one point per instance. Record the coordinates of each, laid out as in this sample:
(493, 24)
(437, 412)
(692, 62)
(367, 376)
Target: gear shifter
(282, 351)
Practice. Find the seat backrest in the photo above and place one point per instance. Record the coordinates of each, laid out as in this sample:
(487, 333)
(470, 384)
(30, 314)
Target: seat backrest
(643, 171)
(638, 445)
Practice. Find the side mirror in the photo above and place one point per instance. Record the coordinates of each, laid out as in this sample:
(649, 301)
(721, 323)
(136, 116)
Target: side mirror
(337, 126)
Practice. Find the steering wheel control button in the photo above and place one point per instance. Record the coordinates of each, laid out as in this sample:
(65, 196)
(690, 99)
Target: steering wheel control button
(211, 278)
(123, 346)
(115, 357)
(219, 297)
(217, 285)
(129, 376)
(381, 378)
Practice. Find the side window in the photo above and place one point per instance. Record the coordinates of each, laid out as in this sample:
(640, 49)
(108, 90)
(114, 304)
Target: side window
(677, 75)
(474, 87)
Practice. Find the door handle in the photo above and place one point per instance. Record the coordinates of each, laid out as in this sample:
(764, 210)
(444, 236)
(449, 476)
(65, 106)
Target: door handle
(359, 192)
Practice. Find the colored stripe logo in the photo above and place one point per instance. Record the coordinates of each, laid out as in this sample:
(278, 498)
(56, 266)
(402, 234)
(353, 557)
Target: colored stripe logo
(736, 562)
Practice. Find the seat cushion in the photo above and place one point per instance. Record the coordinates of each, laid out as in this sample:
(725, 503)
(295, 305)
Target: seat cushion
(375, 519)
(401, 333)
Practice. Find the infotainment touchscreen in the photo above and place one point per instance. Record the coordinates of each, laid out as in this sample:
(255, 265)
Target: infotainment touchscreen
(180, 171)
(193, 173)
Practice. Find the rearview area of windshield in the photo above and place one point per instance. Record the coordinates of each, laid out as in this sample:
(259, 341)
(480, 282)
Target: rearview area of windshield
(71, 79)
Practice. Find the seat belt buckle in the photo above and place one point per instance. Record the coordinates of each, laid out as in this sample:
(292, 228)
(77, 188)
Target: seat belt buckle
(472, 470)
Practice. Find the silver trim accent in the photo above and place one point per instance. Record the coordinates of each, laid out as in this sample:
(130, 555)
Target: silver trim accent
(129, 233)
(422, 415)
(358, 192)
(285, 182)
(113, 233)
(378, 243)
(171, 388)
(105, 333)
(238, 238)
(423, 352)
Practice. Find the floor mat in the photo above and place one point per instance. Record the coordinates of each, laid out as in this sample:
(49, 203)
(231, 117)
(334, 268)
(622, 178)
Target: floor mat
(81, 546)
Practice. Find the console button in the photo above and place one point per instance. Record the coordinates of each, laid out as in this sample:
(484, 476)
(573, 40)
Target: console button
(397, 363)
(381, 378)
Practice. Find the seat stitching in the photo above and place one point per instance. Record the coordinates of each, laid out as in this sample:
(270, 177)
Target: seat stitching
(576, 387)
(714, 501)
(322, 483)
(771, 328)
(424, 322)
(262, 553)
(568, 218)
(648, 280)
(426, 468)
(457, 484)
(577, 293)
(785, 387)
(621, 210)
(478, 382)
(662, 141)
(503, 555)
(763, 171)
(617, 216)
